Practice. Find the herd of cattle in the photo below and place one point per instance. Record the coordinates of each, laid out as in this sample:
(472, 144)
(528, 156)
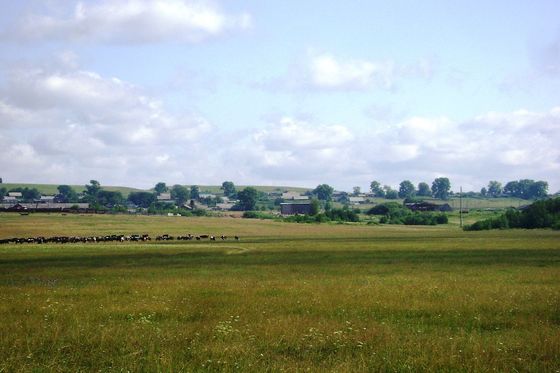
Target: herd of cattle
(111, 238)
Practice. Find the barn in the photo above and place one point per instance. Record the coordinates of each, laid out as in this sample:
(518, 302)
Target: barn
(295, 208)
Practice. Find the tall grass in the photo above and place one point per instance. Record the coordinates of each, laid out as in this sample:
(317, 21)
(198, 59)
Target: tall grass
(285, 297)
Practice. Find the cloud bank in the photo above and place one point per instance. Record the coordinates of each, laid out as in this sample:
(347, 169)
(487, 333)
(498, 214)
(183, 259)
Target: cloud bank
(132, 21)
(71, 125)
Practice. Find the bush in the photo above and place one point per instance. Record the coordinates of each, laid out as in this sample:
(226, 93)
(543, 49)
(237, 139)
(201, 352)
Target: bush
(385, 208)
(541, 214)
(257, 215)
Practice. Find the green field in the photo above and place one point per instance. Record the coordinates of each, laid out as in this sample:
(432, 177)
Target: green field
(294, 297)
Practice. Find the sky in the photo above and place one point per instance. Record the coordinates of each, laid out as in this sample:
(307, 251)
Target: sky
(298, 93)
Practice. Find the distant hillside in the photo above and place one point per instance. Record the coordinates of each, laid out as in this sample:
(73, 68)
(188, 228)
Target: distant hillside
(261, 188)
(50, 189)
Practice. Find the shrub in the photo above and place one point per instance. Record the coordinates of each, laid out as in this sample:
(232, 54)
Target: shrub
(541, 214)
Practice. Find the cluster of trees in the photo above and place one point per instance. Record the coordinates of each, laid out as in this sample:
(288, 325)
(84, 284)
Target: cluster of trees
(344, 214)
(441, 188)
(524, 188)
(395, 213)
(541, 214)
(27, 194)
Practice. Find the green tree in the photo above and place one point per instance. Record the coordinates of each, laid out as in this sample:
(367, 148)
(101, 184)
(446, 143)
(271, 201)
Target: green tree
(494, 188)
(441, 187)
(538, 190)
(406, 189)
(92, 190)
(424, 190)
(229, 188)
(195, 192)
(30, 194)
(109, 199)
(483, 192)
(323, 192)
(67, 194)
(161, 187)
(180, 194)
(356, 190)
(315, 205)
(142, 199)
(3, 192)
(376, 189)
(247, 199)
(512, 189)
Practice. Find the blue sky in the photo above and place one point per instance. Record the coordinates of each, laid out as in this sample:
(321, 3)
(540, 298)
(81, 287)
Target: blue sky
(293, 93)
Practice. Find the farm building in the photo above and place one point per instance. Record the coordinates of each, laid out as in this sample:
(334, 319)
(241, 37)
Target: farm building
(294, 196)
(295, 208)
(43, 207)
(356, 200)
(427, 206)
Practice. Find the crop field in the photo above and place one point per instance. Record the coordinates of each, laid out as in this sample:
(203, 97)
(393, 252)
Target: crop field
(285, 297)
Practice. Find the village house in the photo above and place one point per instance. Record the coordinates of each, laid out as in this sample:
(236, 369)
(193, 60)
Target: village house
(165, 198)
(293, 196)
(356, 200)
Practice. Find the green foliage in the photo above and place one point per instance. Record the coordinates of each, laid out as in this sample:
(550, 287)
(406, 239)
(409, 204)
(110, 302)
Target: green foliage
(229, 188)
(376, 189)
(424, 190)
(441, 187)
(257, 215)
(332, 214)
(3, 192)
(385, 208)
(526, 189)
(92, 189)
(160, 188)
(67, 194)
(406, 189)
(541, 214)
(323, 192)
(195, 192)
(142, 199)
(395, 213)
(180, 194)
(391, 193)
(315, 206)
(27, 194)
(109, 198)
(247, 199)
(494, 188)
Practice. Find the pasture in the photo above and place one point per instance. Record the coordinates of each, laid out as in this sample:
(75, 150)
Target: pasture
(293, 297)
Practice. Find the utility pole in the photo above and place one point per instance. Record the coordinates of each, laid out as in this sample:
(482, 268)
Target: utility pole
(461, 207)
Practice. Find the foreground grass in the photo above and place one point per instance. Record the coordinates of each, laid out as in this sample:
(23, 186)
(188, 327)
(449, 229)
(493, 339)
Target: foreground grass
(285, 297)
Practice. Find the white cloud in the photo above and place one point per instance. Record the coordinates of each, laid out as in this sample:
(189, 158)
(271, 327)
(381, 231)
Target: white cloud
(74, 125)
(132, 21)
(503, 146)
(87, 124)
(329, 72)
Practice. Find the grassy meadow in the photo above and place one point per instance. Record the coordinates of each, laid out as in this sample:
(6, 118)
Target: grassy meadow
(286, 297)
